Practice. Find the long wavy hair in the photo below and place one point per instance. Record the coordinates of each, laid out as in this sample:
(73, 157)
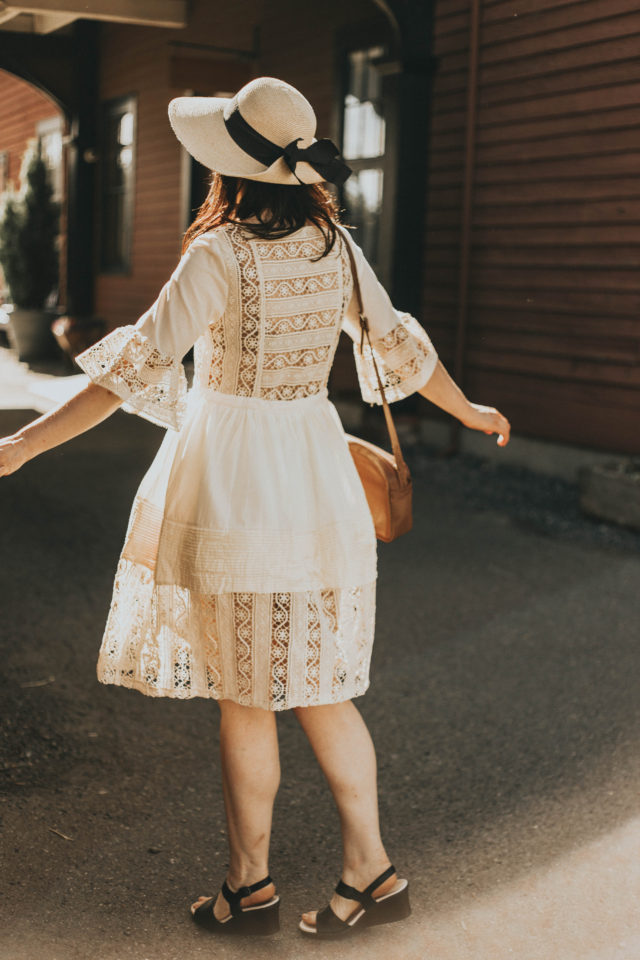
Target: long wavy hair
(279, 209)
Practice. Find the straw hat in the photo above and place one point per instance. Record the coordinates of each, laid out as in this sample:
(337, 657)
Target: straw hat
(266, 132)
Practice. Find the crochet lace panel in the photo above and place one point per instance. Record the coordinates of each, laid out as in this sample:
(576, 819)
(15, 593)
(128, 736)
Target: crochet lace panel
(281, 325)
(272, 650)
(151, 384)
(405, 357)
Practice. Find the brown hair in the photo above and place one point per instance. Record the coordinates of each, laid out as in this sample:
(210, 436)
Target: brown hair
(280, 209)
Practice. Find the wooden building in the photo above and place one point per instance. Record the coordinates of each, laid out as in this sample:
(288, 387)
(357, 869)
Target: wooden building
(532, 260)
(495, 183)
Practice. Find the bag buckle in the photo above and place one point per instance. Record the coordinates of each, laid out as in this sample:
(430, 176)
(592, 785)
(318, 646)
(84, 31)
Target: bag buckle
(364, 327)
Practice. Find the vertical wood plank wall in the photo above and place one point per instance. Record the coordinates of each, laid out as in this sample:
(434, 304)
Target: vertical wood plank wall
(553, 334)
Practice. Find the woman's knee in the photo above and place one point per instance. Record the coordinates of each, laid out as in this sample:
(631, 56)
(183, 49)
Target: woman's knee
(239, 711)
(323, 711)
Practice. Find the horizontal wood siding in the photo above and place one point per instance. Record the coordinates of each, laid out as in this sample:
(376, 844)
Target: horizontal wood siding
(553, 334)
(22, 107)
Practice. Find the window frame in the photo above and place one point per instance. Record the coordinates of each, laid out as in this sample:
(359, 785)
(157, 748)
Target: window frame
(109, 109)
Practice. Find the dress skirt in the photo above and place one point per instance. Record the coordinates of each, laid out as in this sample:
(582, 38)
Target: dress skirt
(248, 570)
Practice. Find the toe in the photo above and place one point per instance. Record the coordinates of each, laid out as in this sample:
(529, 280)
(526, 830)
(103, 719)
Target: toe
(310, 917)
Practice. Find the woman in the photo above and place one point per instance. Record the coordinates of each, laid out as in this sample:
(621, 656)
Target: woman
(249, 565)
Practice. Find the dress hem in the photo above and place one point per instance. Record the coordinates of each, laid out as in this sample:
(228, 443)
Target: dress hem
(156, 693)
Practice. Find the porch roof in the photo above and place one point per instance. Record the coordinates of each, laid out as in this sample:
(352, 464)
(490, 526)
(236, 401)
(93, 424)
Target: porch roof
(45, 16)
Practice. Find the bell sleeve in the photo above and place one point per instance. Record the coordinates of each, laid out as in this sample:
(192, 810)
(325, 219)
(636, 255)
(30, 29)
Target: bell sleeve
(142, 362)
(405, 355)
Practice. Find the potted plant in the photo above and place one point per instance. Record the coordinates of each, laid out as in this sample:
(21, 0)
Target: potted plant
(29, 224)
(611, 491)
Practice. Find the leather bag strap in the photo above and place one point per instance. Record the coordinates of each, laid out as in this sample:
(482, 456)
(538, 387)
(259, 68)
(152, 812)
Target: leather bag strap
(364, 332)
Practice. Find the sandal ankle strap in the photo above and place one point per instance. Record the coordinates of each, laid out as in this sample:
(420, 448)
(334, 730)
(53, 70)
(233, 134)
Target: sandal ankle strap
(233, 897)
(364, 896)
(389, 872)
(259, 884)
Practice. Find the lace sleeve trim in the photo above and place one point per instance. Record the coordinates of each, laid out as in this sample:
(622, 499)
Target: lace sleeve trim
(152, 384)
(406, 359)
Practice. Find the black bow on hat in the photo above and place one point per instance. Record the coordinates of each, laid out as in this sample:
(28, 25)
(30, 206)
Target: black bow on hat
(322, 155)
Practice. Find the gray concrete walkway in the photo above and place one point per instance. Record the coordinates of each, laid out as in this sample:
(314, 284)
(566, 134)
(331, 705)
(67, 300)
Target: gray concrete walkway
(504, 705)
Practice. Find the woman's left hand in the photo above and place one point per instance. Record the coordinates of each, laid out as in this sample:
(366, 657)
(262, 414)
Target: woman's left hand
(12, 454)
(489, 420)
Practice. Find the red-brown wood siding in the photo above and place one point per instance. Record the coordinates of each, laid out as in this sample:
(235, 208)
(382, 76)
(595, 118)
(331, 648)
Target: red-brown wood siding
(22, 107)
(553, 335)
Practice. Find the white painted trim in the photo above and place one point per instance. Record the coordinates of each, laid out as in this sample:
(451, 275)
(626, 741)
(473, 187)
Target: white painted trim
(159, 13)
(47, 23)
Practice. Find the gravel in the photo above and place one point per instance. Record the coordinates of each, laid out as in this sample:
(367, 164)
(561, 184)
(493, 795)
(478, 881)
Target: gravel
(537, 502)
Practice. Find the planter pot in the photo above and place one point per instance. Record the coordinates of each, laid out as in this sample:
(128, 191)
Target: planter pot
(75, 334)
(611, 491)
(29, 333)
(4, 327)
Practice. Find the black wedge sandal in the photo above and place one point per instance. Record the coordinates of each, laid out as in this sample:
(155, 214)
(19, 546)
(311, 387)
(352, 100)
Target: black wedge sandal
(259, 919)
(388, 908)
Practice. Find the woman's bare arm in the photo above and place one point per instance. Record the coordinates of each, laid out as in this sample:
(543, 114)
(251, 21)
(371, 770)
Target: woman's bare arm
(84, 410)
(446, 394)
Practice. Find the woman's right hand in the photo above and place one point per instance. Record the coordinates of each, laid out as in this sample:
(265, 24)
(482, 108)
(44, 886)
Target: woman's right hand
(12, 454)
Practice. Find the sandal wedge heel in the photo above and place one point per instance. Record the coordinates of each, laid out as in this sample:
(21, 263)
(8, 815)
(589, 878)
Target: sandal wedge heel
(258, 920)
(388, 908)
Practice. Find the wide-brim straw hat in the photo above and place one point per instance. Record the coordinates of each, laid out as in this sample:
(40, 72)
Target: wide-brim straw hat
(265, 132)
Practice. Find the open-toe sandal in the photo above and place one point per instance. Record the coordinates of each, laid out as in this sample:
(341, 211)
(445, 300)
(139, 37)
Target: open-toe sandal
(387, 908)
(259, 919)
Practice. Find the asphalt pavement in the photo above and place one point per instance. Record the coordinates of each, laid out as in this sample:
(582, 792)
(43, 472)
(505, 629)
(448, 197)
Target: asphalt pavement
(504, 705)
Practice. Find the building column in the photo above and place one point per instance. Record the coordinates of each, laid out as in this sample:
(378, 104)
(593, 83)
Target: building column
(410, 89)
(81, 170)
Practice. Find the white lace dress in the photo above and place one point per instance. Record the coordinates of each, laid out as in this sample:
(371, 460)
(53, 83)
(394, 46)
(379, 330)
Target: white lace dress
(248, 570)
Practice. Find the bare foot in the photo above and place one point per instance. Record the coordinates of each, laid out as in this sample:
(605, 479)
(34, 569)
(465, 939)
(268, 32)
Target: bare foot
(344, 908)
(221, 908)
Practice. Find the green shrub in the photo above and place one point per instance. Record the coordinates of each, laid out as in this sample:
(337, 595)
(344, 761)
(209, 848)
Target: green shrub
(29, 224)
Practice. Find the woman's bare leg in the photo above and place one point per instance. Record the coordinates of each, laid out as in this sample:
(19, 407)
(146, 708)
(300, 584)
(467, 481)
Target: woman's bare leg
(344, 749)
(250, 779)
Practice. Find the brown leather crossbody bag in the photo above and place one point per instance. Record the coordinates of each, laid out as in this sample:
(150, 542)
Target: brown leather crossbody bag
(385, 476)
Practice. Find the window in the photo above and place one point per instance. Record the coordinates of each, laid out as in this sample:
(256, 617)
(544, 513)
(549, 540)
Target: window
(117, 184)
(363, 147)
(50, 133)
(195, 178)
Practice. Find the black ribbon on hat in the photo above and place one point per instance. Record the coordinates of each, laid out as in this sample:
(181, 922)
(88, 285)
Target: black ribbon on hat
(323, 155)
